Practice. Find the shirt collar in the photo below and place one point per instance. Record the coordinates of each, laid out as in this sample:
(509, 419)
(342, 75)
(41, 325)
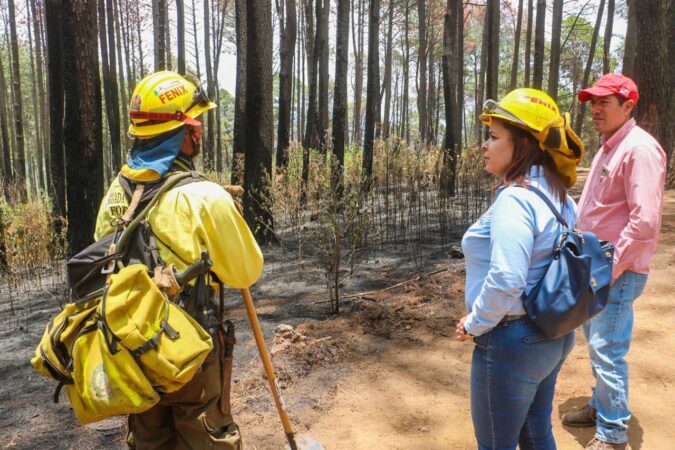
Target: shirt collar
(535, 172)
(618, 136)
(534, 177)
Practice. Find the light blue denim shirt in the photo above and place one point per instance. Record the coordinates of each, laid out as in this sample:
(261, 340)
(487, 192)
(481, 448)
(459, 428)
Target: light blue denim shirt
(508, 250)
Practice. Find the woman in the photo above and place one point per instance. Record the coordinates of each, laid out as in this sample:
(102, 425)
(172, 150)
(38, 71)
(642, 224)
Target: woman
(514, 367)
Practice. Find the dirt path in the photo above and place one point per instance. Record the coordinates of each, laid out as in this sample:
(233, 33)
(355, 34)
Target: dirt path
(416, 397)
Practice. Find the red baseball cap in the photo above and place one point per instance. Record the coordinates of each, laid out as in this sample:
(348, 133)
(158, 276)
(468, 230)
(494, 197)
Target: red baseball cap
(610, 84)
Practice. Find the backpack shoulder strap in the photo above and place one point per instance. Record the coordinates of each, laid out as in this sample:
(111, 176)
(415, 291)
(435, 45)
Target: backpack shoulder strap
(548, 202)
(126, 185)
(151, 188)
(169, 182)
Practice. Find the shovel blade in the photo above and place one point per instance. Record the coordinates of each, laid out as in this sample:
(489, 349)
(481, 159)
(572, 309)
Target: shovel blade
(304, 442)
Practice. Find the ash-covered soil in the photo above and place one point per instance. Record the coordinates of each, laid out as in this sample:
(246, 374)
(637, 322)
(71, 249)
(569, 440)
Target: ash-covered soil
(312, 348)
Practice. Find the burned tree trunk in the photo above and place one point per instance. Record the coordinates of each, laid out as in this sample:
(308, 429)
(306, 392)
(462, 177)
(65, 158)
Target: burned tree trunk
(554, 63)
(239, 140)
(653, 112)
(492, 73)
(55, 74)
(422, 70)
(538, 67)
(8, 174)
(386, 119)
(311, 139)
(82, 122)
(259, 134)
(208, 153)
(159, 33)
(589, 64)
(19, 146)
(340, 98)
(608, 36)
(450, 81)
(373, 92)
(516, 47)
(322, 62)
(180, 36)
(405, 126)
(630, 44)
(357, 39)
(287, 51)
(108, 63)
(528, 43)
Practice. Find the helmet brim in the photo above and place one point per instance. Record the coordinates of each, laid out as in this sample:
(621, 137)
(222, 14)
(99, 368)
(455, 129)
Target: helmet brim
(487, 118)
(190, 118)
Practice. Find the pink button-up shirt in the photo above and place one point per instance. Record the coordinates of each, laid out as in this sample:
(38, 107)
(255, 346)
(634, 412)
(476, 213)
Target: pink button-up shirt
(622, 200)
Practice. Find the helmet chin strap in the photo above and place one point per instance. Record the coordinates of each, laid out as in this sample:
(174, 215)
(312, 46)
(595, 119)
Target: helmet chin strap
(196, 148)
(195, 145)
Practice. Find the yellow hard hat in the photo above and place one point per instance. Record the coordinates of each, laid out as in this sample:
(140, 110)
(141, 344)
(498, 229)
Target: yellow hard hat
(536, 112)
(523, 107)
(165, 101)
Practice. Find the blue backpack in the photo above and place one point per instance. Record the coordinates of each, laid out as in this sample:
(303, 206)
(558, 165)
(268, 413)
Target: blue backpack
(576, 284)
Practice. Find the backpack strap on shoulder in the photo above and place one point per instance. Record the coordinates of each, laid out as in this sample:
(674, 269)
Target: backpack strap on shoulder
(171, 181)
(548, 202)
(135, 200)
(126, 185)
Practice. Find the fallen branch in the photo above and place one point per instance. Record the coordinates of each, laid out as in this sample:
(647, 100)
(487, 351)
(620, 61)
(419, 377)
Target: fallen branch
(417, 278)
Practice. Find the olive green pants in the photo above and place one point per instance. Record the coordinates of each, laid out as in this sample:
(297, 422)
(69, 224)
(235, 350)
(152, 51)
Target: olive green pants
(189, 418)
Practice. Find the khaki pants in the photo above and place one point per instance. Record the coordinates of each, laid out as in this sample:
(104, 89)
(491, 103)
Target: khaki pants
(189, 418)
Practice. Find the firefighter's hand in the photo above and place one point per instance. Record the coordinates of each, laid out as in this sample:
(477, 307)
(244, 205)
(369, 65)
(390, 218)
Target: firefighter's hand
(237, 192)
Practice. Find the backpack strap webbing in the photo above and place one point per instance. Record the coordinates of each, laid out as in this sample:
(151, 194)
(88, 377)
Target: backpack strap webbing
(152, 187)
(135, 200)
(170, 181)
(548, 202)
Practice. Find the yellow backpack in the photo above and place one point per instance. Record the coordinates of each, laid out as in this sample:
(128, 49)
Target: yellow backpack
(168, 344)
(116, 354)
(53, 354)
(106, 380)
(122, 342)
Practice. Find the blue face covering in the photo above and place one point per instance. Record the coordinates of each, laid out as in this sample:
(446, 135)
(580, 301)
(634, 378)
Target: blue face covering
(150, 159)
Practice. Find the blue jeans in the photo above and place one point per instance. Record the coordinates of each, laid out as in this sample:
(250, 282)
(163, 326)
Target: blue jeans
(513, 375)
(609, 335)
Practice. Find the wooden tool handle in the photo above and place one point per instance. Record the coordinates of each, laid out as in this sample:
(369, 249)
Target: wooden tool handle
(267, 364)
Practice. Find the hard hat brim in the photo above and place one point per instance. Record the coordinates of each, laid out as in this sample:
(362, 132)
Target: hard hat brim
(188, 119)
(486, 118)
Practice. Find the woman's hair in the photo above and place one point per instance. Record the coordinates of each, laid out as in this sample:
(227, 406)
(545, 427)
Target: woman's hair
(526, 153)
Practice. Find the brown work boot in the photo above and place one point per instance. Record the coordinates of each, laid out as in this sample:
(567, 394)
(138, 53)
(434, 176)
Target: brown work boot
(582, 418)
(597, 444)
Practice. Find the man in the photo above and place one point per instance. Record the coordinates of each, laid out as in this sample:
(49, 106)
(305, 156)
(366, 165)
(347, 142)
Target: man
(621, 203)
(187, 220)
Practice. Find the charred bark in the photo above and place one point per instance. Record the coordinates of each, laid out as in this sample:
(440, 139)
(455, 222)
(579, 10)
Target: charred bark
(373, 92)
(259, 134)
(287, 51)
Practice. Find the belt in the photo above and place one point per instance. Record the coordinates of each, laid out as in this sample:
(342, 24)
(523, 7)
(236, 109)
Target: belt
(509, 318)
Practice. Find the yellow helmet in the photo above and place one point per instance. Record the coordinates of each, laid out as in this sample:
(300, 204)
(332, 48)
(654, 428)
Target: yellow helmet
(524, 107)
(536, 112)
(165, 101)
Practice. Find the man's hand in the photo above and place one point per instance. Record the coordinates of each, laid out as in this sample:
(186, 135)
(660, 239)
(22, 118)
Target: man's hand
(236, 192)
(459, 329)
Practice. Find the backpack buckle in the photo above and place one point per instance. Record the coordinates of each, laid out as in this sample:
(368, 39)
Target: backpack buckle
(110, 267)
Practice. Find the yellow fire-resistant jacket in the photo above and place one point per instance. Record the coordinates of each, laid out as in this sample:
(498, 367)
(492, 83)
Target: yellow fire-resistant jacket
(189, 219)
